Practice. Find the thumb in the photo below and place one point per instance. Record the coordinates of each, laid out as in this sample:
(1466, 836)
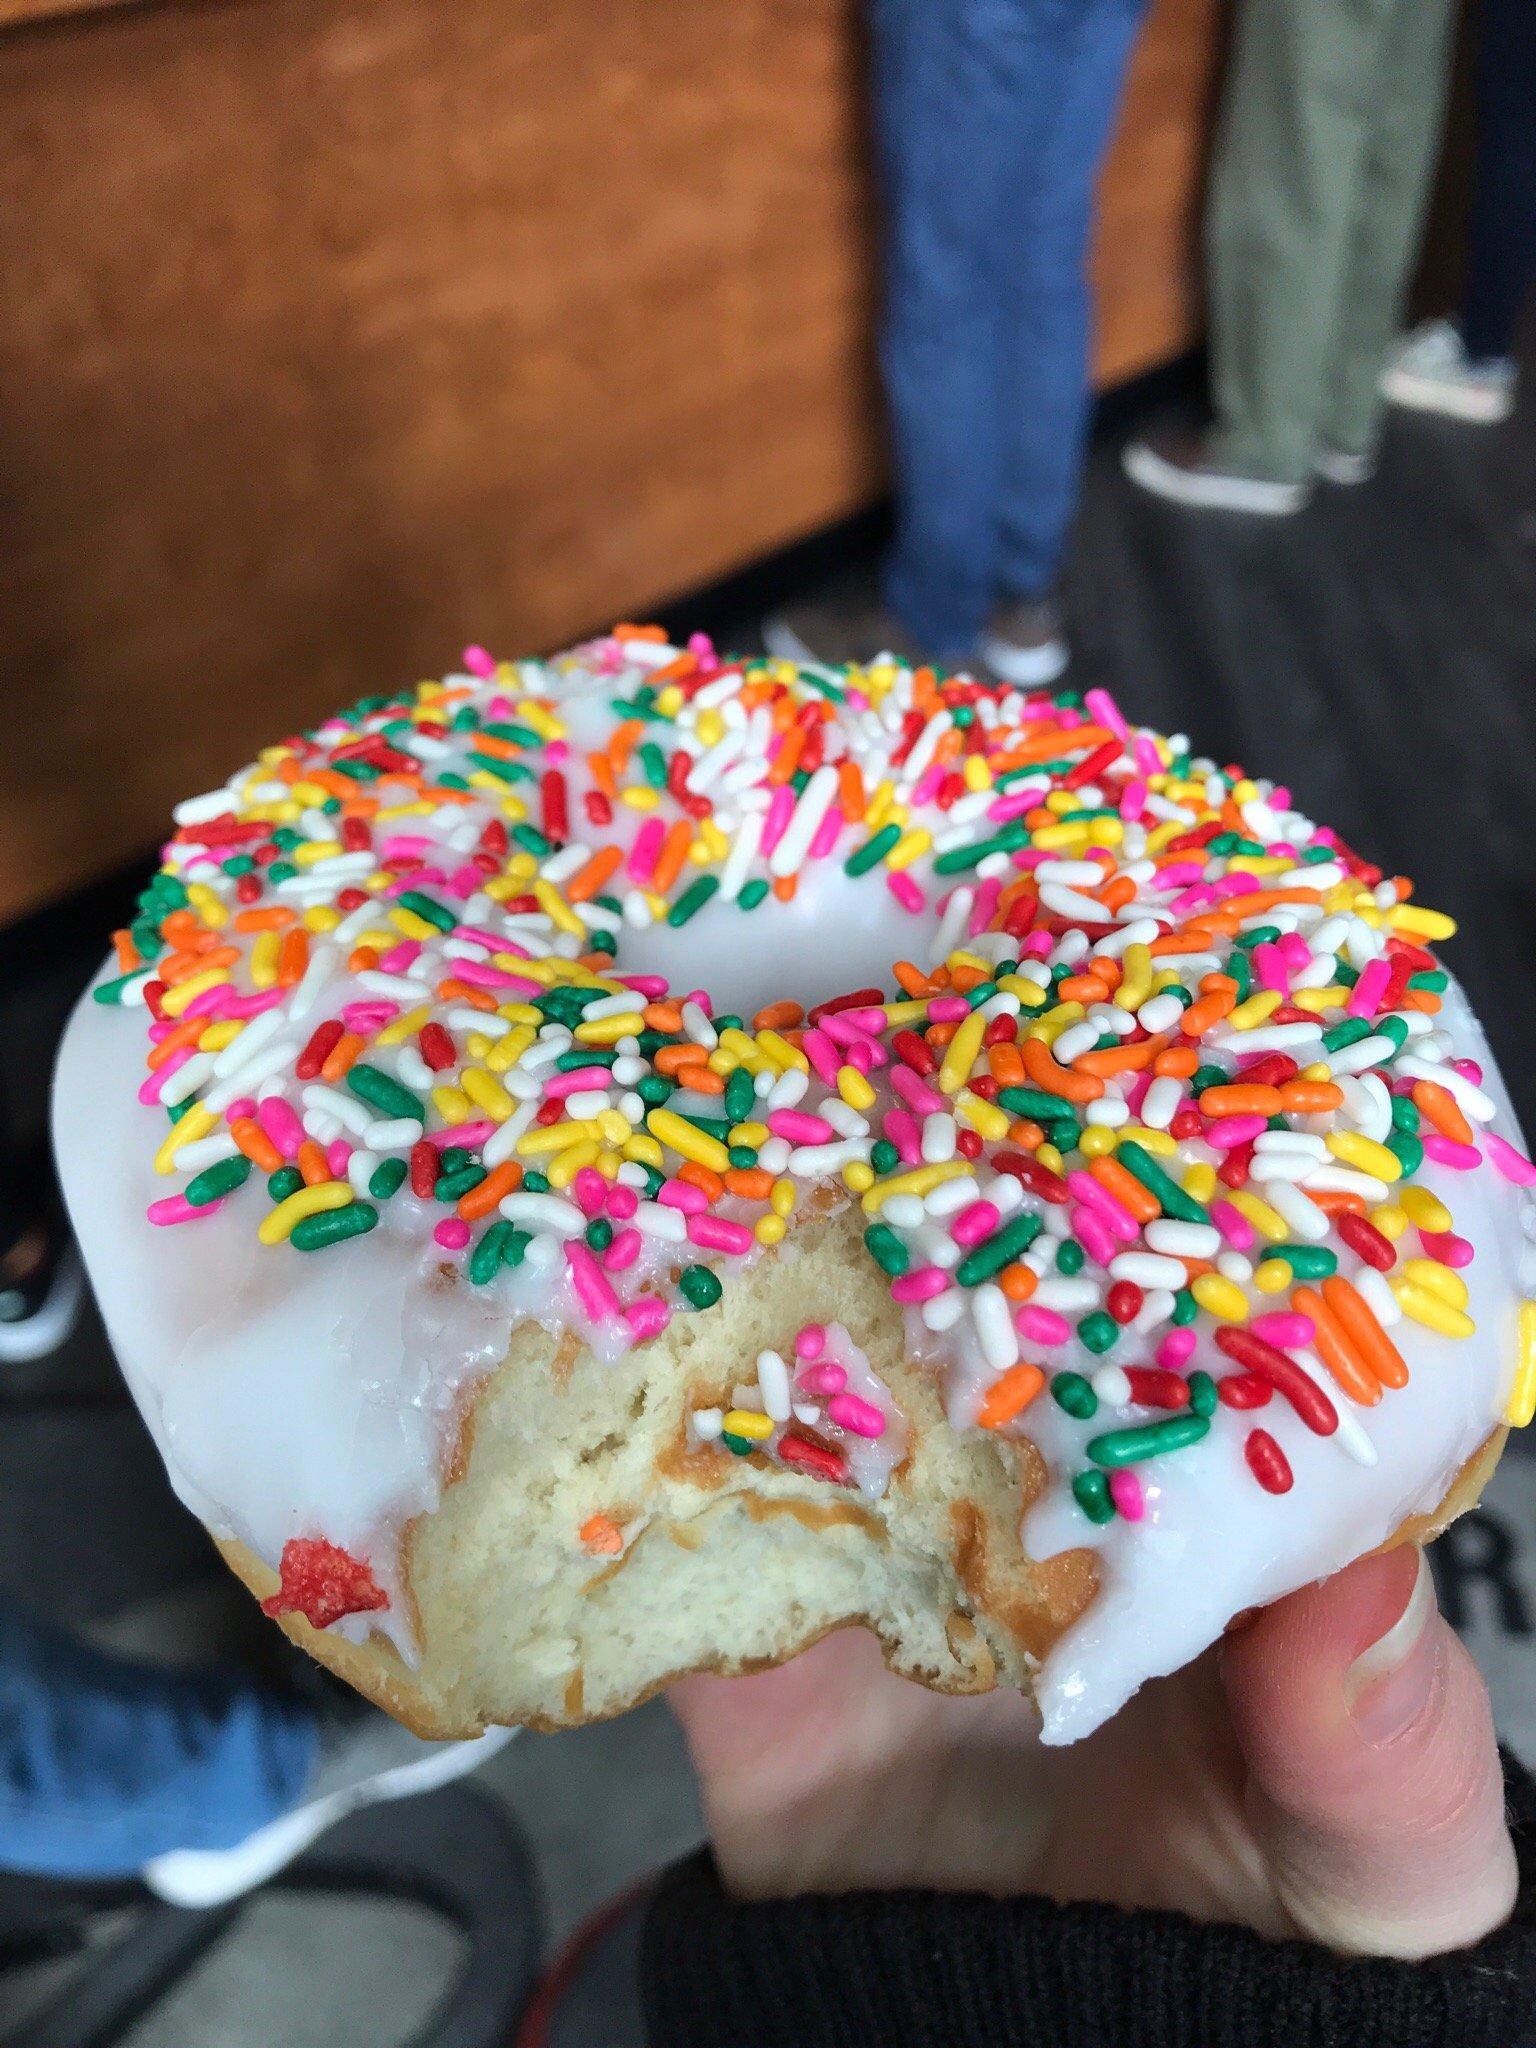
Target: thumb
(1374, 1787)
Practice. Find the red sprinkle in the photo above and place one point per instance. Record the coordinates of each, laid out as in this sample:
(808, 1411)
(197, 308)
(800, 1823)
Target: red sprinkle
(1267, 1462)
(323, 1582)
(423, 1168)
(814, 1458)
(318, 1050)
(1124, 1301)
(1366, 1241)
(910, 1049)
(1151, 1387)
(1286, 1376)
(436, 1047)
(1245, 1390)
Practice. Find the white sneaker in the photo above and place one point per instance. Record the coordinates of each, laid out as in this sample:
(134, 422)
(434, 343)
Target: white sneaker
(1338, 466)
(1181, 471)
(200, 1878)
(1431, 371)
(1025, 643)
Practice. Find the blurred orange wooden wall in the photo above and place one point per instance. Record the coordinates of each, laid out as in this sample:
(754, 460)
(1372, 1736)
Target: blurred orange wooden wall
(335, 332)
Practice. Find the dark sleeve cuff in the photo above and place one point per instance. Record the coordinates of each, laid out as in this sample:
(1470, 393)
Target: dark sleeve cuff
(939, 1970)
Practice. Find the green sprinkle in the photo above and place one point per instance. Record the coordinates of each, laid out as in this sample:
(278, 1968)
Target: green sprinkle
(220, 1179)
(1202, 1394)
(1170, 1196)
(434, 913)
(387, 1178)
(515, 1244)
(383, 1093)
(114, 991)
(450, 1186)
(999, 1250)
(1350, 1032)
(1091, 1492)
(1435, 980)
(739, 1445)
(1069, 1256)
(330, 1226)
(1409, 1149)
(285, 1182)
(1185, 1309)
(1395, 1028)
(700, 1287)
(863, 858)
(654, 762)
(1405, 1114)
(1070, 1391)
(884, 1157)
(599, 1233)
(485, 1259)
(654, 1089)
(752, 894)
(693, 899)
(961, 857)
(1306, 1261)
(887, 1250)
(740, 1095)
(536, 1183)
(1100, 1332)
(1150, 1440)
(1030, 1102)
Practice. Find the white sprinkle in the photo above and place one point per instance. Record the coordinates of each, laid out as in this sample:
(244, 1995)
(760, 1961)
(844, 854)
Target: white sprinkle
(1183, 1240)
(1147, 1269)
(270, 1062)
(995, 1333)
(1350, 1437)
(816, 800)
(1112, 1385)
(1299, 1211)
(544, 1212)
(246, 1044)
(939, 1135)
(1161, 1101)
(773, 1383)
(352, 1115)
(944, 1311)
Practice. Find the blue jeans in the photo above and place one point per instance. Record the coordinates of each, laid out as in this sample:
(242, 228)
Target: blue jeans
(105, 1763)
(991, 118)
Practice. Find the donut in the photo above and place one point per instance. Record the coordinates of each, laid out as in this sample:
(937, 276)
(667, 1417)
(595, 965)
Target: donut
(616, 1165)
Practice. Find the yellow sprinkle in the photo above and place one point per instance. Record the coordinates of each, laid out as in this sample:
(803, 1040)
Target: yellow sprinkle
(1158, 1143)
(854, 1088)
(452, 1104)
(780, 1053)
(976, 773)
(908, 847)
(207, 905)
(1030, 994)
(1059, 838)
(557, 910)
(1255, 1010)
(1428, 1308)
(1522, 1397)
(644, 1150)
(1221, 1296)
(1054, 1022)
(609, 1030)
(217, 1036)
(1424, 1209)
(670, 700)
(487, 1093)
(711, 725)
(506, 1052)
(899, 1014)
(753, 1134)
(782, 1197)
(1442, 1281)
(614, 1126)
(412, 926)
(918, 1180)
(556, 1137)
(1272, 1276)
(1320, 1000)
(176, 999)
(1266, 1221)
(547, 727)
(717, 846)
(197, 1123)
(1136, 979)
(745, 1051)
(1365, 1154)
(1390, 1219)
(320, 917)
(769, 1229)
(858, 1175)
(961, 1053)
(1049, 1157)
(1096, 1142)
(1424, 924)
(687, 1139)
(1200, 1182)
(984, 1117)
(563, 1169)
(277, 1224)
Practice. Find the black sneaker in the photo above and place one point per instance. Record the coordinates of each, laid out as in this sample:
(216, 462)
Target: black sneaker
(835, 630)
(41, 1282)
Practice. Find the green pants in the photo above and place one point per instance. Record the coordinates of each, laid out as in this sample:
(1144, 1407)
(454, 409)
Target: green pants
(1328, 139)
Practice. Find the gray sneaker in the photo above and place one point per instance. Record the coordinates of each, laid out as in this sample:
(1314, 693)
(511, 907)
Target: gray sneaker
(835, 630)
(1187, 469)
(1430, 371)
(1026, 643)
(365, 1757)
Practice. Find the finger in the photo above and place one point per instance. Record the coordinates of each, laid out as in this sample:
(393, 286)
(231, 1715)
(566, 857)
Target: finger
(1374, 1785)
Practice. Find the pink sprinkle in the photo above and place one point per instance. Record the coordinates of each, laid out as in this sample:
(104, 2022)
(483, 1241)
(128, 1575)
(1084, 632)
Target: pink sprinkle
(800, 1128)
(574, 1080)
(337, 1153)
(243, 1106)
(177, 1209)
(400, 957)
(1285, 1328)
(1233, 1225)
(905, 890)
(822, 1054)
(479, 663)
(1512, 1164)
(642, 855)
(811, 1341)
(1365, 996)
(974, 1223)
(843, 1028)
(1469, 1070)
(623, 1251)
(590, 1190)
(1097, 1239)
(824, 1379)
(468, 1135)
(682, 1194)
(647, 1317)
(481, 974)
(916, 1093)
(983, 909)
(903, 1132)
(826, 834)
(922, 1284)
(1041, 1325)
(597, 1298)
(1126, 1493)
(780, 810)
(452, 1233)
(862, 1417)
(1447, 1247)
(366, 1018)
(948, 1010)
(1176, 1350)
(1133, 800)
(1446, 1152)
(149, 1091)
(1111, 1212)
(277, 1119)
(1270, 966)
(1103, 709)
(718, 1234)
(1228, 1132)
(622, 1201)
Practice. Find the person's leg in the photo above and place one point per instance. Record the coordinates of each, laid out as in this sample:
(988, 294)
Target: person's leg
(1408, 94)
(958, 83)
(1285, 194)
(105, 1764)
(1046, 306)
(1502, 252)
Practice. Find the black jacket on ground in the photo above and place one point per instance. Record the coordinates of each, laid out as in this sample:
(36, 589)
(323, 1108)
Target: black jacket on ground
(937, 1970)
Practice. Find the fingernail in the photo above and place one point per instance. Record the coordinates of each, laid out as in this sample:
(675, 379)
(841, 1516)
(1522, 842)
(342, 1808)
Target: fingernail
(1390, 1684)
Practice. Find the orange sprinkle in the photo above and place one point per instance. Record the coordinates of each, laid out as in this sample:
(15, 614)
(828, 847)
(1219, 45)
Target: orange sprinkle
(1204, 1015)
(362, 959)
(1082, 988)
(1178, 1060)
(753, 1183)
(1026, 1134)
(601, 1537)
(662, 1017)
(127, 952)
(784, 887)
(255, 1144)
(504, 1178)
(671, 1059)
(187, 1032)
(622, 740)
(702, 1080)
(1352, 1372)
(1018, 1282)
(913, 981)
(674, 851)
(1010, 1395)
(589, 879)
(850, 791)
(273, 919)
(783, 1016)
(1006, 1064)
(182, 966)
(1338, 1201)
(455, 991)
(655, 634)
(1119, 1059)
(787, 759)
(311, 1162)
(1367, 1336)
(1041, 1067)
(1443, 1111)
(1240, 1100)
(702, 1177)
(292, 956)
(1126, 1189)
(1310, 1098)
(342, 1056)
